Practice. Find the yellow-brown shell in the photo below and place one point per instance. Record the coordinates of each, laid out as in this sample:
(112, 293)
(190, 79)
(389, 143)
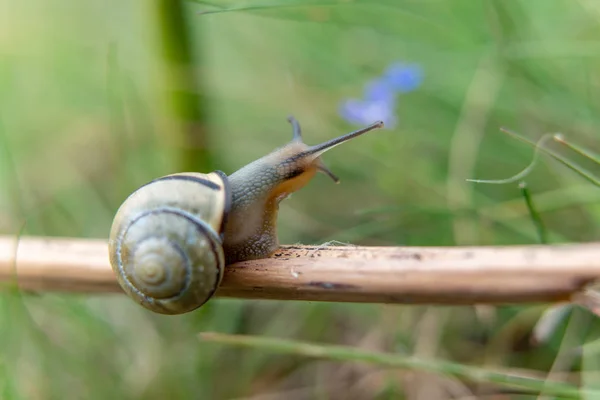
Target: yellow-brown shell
(166, 241)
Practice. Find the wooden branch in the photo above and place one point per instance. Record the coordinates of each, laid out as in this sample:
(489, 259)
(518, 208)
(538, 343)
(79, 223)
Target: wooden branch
(409, 275)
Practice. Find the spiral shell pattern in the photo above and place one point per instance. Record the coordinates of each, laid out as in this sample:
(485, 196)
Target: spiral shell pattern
(166, 241)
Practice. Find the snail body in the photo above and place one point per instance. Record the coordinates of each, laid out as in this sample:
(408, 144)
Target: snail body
(171, 238)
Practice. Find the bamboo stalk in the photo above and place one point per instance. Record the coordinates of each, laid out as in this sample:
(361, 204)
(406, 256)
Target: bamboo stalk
(409, 275)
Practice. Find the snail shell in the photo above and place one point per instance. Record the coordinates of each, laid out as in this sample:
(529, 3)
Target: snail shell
(166, 241)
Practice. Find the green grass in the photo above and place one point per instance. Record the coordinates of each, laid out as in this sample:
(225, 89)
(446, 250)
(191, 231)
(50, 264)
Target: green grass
(93, 103)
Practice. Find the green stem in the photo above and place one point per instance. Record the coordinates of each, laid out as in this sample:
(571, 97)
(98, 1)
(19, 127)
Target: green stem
(344, 353)
(534, 214)
(183, 90)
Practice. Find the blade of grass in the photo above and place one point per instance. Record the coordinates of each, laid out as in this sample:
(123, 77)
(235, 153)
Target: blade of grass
(538, 147)
(571, 165)
(296, 10)
(590, 366)
(566, 357)
(578, 149)
(345, 353)
(183, 89)
(273, 5)
(521, 174)
(481, 94)
(534, 214)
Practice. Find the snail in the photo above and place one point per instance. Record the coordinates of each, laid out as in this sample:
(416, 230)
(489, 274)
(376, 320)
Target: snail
(172, 237)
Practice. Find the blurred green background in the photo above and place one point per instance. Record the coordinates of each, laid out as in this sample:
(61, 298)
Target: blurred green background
(98, 97)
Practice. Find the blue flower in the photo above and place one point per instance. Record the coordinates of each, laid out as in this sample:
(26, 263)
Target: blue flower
(379, 89)
(380, 96)
(404, 77)
(366, 112)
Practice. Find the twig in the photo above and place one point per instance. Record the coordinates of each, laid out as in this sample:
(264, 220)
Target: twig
(409, 275)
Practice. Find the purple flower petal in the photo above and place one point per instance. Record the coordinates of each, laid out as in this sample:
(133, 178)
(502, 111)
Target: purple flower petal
(366, 112)
(404, 77)
(379, 90)
(379, 110)
(352, 110)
